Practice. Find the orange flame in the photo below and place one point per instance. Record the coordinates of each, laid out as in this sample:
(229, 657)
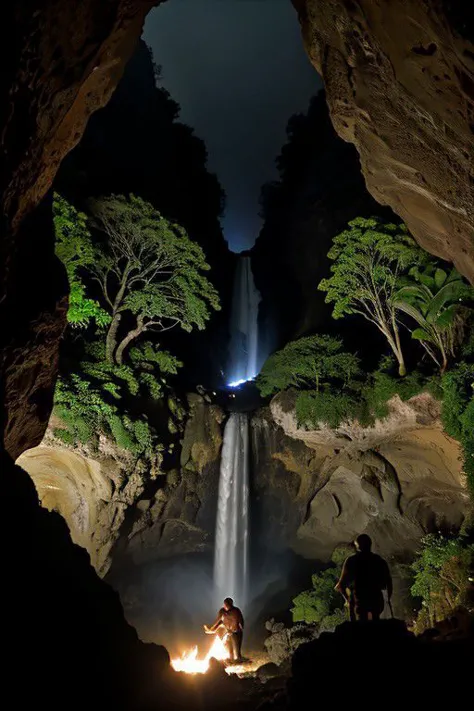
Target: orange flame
(190, 663)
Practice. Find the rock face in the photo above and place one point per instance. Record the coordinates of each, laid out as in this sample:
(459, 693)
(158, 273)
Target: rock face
(179, 519)
(118, 507)
(396, 480)
(60, 62)
(92, 491)
(399, 79)
(52, 81)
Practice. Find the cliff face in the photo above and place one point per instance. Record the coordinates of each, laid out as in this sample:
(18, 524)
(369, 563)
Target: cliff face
(397, 480)
(60, 62)
(52, 81)
(311, 490)
(130, 512)
(399, 79)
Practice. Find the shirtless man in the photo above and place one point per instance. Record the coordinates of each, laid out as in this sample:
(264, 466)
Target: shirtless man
(229, 618)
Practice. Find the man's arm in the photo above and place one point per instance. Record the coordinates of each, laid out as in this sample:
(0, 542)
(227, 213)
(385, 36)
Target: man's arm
(215, 626)
(241, 622)
(344, 580)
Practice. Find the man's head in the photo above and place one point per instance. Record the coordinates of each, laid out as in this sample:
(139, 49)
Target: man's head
(363, 543)
(228, 603)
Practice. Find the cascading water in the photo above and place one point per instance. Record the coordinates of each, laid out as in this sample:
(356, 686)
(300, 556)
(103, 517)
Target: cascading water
(244, 357)
(232, 526)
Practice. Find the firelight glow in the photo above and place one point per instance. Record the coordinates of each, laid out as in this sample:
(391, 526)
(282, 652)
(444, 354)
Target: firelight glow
(190, 664)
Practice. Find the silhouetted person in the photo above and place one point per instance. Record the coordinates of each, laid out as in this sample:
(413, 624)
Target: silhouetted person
(231, 620)
(364, 576)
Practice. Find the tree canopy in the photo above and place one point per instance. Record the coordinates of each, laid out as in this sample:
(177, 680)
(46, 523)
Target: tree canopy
(307, 363)
(145, 275)
(75, 249)
(369, 258)
(149, 271)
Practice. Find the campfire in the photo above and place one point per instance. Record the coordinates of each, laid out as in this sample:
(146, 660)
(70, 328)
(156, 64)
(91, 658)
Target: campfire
(190, 663)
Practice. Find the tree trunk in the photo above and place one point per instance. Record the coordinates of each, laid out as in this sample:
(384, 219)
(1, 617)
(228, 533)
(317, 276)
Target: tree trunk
(111, 340)
(444, 356)
(125, 342)
(402, 371)
(396, 348)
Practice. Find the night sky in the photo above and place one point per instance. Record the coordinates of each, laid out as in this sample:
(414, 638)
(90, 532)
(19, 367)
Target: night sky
(239, 71)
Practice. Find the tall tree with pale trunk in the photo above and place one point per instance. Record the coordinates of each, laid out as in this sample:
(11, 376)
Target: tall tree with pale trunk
(152, 276)
(369, 259)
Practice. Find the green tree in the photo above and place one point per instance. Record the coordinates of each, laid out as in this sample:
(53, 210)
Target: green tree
(307, 363)
(434, 298)
(75, 249)
(369, 258)
(149, 271)
(441, 577)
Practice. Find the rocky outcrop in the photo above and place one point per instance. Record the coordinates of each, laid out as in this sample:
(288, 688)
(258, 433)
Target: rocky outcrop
(399, 80)
(93, 491)
(119, 507)
(60, 62)
(51, 84)
(179, 519)
(391, 653)
(396, 480)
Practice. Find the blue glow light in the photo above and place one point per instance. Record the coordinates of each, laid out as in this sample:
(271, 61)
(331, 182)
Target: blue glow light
(237, 383)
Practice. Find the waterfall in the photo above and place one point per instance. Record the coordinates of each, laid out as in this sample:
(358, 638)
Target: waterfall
(232, 525)
(244, 358)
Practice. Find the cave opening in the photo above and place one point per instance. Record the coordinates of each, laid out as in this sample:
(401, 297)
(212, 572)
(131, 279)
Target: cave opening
(298, 366)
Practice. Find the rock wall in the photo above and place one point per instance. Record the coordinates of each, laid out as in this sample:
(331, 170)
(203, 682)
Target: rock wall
(396, 480)
(60, 62)
(125, 510)
(179, 518)
(52, 81)
(93, 492)
(399, 79)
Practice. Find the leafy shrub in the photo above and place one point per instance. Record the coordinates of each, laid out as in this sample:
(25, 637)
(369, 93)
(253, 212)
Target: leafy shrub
(441, 577)
(458, 413)
(322, 604)
(307, 363)
(313, 408)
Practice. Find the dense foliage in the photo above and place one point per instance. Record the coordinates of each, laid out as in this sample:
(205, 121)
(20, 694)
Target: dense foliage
(309, 362)
(151, 275)
(75, 249)
(458, 412)
(443, 573)
(380, 273)
(322, 605)
(434, 298)
(369, 258)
